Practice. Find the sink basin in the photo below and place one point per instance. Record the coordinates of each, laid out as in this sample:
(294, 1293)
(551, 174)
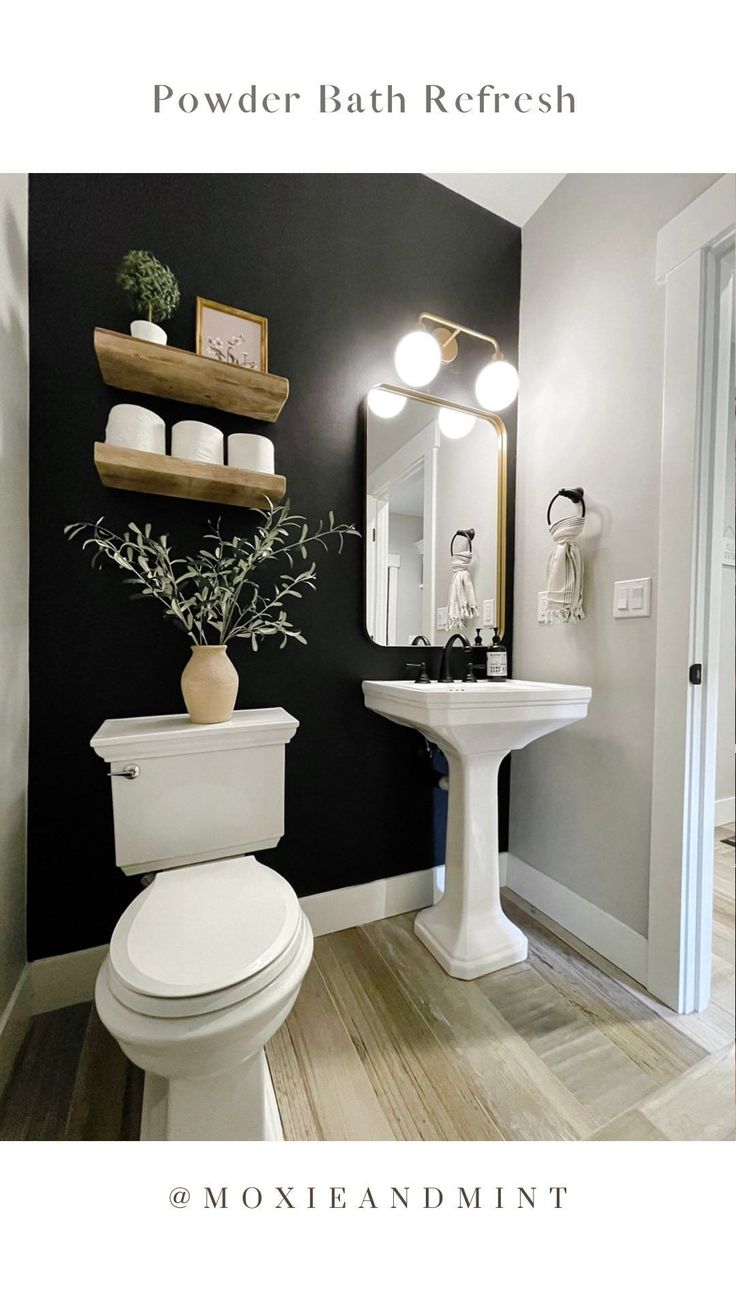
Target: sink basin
(475, 724)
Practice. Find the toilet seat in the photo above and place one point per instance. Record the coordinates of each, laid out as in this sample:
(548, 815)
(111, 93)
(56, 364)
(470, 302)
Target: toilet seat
(203, 937)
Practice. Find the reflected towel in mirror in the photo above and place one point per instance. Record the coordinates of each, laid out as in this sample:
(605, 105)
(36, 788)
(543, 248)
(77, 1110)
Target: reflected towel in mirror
(461, 603)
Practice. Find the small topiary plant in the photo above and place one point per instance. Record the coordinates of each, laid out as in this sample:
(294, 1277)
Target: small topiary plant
(149, 285)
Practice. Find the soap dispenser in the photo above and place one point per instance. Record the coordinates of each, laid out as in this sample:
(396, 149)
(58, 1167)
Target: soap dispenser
(497, 659)
(479, 657)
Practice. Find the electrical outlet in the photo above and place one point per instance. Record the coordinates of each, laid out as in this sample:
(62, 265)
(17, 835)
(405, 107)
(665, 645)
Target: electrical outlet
(442, 619)
(541, 605)
(489, 613)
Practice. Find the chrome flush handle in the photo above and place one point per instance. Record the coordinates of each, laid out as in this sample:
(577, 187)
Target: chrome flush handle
(130, 772)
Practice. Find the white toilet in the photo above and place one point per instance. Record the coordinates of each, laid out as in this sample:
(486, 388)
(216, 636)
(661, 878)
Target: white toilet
(206, 963)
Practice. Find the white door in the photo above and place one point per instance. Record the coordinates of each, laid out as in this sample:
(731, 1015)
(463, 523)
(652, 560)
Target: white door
(695, 261)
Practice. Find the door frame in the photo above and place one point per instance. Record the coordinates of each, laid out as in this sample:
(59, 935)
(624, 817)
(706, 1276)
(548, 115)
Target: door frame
(418, 455)
(376, 566)
(690, 249)
(393, 563)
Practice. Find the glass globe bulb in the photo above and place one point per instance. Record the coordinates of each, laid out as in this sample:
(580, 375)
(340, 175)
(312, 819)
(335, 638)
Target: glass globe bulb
(497, 385)
(455, 424)
(385, 404)
(417, 358)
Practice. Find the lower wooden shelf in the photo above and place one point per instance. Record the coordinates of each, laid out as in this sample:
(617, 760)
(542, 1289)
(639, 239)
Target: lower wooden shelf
(161, 474)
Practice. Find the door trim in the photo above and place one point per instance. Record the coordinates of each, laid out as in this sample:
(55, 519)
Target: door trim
(689, 252)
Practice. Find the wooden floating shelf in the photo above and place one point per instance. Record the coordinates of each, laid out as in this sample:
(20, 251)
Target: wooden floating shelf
(135, 365)
(161, 474)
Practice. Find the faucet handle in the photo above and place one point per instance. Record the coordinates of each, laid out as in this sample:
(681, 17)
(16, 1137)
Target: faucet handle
(470, 671)
(421, 679)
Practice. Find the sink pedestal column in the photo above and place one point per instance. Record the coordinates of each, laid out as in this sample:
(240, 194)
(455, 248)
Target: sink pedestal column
(467, 931)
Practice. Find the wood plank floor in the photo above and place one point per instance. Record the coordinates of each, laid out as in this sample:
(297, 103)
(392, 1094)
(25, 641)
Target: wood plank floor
(383, 1045)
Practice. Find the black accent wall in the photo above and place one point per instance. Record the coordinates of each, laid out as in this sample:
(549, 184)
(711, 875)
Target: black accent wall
(341, 265)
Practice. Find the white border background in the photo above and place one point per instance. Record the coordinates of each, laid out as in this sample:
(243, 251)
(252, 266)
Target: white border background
(97, 1221)
(654, 87)
(653, 82)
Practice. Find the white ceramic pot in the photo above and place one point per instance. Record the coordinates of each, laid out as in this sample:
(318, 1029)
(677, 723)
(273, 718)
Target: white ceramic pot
(247, 450)
(134, 428)
(198, 441)
(148, 331)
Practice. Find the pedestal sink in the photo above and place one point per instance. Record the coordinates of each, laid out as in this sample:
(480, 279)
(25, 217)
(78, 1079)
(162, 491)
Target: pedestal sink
(475, 725)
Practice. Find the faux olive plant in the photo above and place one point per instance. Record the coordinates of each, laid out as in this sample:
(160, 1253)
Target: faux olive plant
(149, 285)
(213, 596)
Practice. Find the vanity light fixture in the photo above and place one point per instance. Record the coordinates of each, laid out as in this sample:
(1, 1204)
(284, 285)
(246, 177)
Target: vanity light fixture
(420, 354)
(497, 385)
(454, 424)
(418, 358)
(385, 404)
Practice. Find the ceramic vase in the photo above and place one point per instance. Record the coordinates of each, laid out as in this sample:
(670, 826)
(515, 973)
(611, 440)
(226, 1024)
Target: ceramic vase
(148, 331)
(209, 684)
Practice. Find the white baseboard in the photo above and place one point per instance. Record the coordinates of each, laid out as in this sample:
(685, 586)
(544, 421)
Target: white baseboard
(57, 982)
(65, 979)
(14, 1022)
(68, 979)
(351, 906)
(725, 811)
(609, 937)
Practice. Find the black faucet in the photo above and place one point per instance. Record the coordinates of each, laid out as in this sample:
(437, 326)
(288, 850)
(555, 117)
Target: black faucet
(447, 653)
(421, 640)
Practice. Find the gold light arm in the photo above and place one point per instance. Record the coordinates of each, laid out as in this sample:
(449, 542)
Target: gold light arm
(457, 329)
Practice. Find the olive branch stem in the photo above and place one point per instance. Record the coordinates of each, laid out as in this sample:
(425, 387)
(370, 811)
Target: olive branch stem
(212, 595)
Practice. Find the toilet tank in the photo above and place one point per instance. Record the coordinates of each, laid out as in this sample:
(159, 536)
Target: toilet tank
(186, 794)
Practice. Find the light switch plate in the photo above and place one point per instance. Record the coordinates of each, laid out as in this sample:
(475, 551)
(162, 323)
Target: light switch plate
(541, 604)
(489, 613)
(442, 619)
(632, 598)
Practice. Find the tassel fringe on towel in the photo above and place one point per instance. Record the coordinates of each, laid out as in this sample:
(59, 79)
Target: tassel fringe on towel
(565, 573)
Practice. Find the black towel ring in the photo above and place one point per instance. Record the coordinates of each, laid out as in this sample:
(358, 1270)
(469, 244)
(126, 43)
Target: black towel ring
(577, 495)
(469, 536)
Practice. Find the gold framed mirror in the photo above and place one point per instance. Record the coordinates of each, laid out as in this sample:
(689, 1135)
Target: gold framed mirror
(436, 492)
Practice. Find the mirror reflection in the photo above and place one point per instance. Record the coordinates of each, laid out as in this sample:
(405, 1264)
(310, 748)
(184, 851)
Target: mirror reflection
(434, 548)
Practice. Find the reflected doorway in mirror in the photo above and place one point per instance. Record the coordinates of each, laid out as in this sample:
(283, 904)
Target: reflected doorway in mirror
(431, 464)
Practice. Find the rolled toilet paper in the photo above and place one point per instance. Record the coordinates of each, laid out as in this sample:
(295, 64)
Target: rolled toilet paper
(250, 451)
(132, 427)
(198, 441)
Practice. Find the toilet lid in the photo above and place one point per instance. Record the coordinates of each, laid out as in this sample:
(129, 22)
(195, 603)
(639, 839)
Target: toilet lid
(203, 928)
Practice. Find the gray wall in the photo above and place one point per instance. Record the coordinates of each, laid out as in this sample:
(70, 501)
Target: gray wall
(591, 353)
(13, 573)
